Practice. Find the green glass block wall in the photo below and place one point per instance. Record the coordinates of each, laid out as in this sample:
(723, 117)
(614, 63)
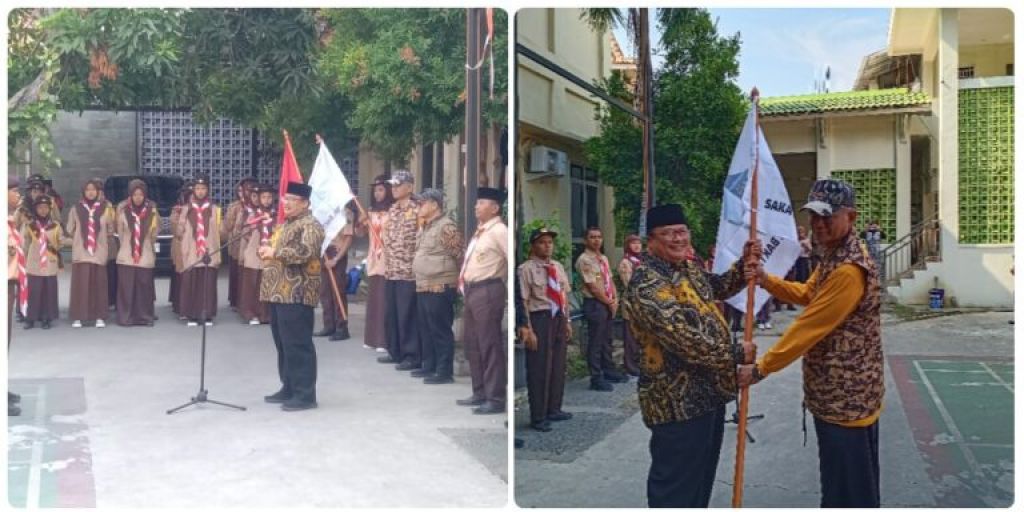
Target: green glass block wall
(986, 165)
(876, 197)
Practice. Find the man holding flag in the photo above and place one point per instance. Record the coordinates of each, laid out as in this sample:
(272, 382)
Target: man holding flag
(330, 202)
(839, 337)
(688, 368)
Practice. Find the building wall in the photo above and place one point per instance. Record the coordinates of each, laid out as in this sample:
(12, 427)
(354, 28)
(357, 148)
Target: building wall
(861, 142)
(555, 113)
(790, 136)
(988, 59)
(91, 144)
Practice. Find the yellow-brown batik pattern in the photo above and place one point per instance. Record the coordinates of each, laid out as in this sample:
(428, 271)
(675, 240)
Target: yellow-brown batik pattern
(292, 276)
(688, 367)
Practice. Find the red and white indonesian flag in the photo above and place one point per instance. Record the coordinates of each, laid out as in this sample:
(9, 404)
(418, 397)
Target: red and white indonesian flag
(775, 224)
(331, 192)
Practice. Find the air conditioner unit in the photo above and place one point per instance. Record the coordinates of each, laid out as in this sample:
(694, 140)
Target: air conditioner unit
(545, 160)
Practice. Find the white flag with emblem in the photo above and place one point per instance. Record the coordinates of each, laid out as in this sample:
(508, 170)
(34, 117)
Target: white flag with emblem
(775, 223)
(331, 192)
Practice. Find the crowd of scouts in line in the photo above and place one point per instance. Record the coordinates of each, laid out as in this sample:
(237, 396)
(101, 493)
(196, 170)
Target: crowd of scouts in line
(416, 266)
(678, 342)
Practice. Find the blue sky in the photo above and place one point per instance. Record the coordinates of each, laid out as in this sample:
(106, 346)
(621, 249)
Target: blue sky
(785, 50)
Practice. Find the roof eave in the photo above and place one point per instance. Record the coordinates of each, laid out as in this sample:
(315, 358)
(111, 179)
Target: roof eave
(922, 109)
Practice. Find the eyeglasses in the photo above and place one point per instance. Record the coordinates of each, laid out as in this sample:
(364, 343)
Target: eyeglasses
(670, 234)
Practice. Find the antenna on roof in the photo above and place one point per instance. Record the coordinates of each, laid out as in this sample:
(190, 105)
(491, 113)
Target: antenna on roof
(828, 77)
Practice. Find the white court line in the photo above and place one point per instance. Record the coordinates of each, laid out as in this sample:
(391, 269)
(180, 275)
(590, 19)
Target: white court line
(943, 370)
(35, 468)
(996, 376)
(948, 419)
(989, 445)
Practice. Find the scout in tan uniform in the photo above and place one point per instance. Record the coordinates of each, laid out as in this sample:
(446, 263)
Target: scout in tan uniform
(17, 279)
(291, 285)
(199, 228)
(90, 223)
(184, 196)
(839, 337)
(545, 288)
(43, 238)
(482, 281)
(137, 223)
(255, 234)
(600, 303)
(237, 212)
(335, 260)
(436, 265)
(632, 249)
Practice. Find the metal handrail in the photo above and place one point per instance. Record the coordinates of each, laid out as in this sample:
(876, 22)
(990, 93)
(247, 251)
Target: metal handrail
(911, 250)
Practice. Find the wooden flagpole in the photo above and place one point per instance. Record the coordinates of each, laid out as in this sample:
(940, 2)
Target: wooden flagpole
(748, 330)
(330, 271)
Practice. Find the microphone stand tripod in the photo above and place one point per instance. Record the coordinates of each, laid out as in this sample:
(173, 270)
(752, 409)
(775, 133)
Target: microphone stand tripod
(201, 396)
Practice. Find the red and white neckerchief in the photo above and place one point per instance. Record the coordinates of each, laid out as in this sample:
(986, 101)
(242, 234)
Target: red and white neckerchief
(201, 227)
(554, 290)
(377, 235)
(634, 259)
(137, 217)
(265, 225)
(44, 257)
(606, 274)
(19, 249)
(469, 252)
(90, 235)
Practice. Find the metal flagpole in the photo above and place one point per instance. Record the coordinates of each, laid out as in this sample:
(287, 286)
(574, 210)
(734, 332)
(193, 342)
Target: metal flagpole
(748, 330)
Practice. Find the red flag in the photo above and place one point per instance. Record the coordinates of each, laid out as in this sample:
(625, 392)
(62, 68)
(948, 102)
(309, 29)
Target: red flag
(289, 173)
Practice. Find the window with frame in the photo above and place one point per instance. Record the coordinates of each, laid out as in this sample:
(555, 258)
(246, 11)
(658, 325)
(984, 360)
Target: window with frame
(585, 186)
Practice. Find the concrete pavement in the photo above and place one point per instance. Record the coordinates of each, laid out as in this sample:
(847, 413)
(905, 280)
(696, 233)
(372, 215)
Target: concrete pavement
(94, 427)
(600, 458)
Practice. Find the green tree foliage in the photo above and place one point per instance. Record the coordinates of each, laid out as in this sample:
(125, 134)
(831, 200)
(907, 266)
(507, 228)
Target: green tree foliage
(404, 71)
(698, 113)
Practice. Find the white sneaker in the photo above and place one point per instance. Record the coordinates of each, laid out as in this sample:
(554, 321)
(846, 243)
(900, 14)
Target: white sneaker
(209, 323)
(254, 321)
(382, 351)
(760, 326)
(76, 323)
(100, 323)
(192, 324)
(768, 325)
(367, 347)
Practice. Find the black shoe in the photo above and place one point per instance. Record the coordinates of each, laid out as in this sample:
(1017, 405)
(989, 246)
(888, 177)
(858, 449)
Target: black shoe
(46, 324)
(613, 376)
(407, 365)
(489, 408)
(790, 308)
(30, 325)
(419, 374)
(518, 443)
(325, 332)
(600, 385)
(295, 405)
(341, 335)
(560, 416)
(540, 426)
(13, 398)
(437, 379)
(386, 360)
(13, 410)
(471, 401)
(278, 398)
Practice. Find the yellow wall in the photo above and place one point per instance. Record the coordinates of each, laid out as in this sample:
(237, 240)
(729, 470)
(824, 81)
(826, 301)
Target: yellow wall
(862, 143)
(790, 136)
(988, 60)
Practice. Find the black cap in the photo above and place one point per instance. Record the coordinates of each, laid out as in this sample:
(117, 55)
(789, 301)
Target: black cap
(539, 232)
(299, 189)
(201, 179)
(37, 185)
(265, 187)
(496, 195)
(665, 215)
(43, 199)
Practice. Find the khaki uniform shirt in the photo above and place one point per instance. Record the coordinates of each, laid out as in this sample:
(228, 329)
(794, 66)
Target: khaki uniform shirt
(186, 228)
(589, 267)
(125, 222)
(533, 284)
(438, 256)
(489, 259)
(54, 241)
(79, 231)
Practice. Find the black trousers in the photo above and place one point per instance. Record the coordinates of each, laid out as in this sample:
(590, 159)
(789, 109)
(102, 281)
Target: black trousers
(332, 317)
(684, 458)
(436, 313)
(403, 338)
(599, 338)
(848, 462)
(292, 328)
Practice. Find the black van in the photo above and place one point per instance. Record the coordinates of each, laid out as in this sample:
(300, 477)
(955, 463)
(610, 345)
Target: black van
(163, 190)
